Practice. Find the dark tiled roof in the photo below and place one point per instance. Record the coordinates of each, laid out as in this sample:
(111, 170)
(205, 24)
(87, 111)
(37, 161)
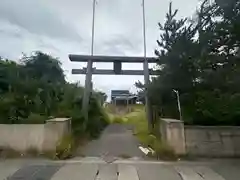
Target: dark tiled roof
(115, 93)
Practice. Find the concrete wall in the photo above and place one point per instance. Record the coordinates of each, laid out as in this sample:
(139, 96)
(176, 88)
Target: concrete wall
(22, 137)
(212, 141)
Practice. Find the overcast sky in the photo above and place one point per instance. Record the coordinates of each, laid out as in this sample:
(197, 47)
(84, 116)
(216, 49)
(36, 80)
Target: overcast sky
(61, 27)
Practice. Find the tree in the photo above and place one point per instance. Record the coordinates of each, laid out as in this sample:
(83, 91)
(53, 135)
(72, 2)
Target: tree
(199, 58)
(44, 67)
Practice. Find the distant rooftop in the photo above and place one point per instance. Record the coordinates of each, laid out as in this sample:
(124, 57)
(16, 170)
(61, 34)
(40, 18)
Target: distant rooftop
(125, 97)
(120, 92)
(122, 95)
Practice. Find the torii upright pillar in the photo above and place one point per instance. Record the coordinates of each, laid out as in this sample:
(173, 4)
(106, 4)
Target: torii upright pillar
(87, 90)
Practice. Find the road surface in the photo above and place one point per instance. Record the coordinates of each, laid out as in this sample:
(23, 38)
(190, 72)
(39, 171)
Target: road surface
(116, 141)
(97, 169)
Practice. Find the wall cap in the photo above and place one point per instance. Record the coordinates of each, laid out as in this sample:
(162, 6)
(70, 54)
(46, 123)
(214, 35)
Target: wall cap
(168, 120)
(211, 127)
(58, 119)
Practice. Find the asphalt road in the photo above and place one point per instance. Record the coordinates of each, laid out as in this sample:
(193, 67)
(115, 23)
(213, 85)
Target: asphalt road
(97, 169)
(116, 141)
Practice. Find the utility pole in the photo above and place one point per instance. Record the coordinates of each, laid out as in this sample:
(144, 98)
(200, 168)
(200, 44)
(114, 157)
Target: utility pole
(88, 80)
(146, 71)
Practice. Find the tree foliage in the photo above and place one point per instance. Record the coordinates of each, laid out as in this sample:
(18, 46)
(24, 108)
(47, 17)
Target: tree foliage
(35, 89)
(200, 57)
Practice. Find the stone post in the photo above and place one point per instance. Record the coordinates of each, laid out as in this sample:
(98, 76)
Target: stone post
(54, 130)
(172, 133)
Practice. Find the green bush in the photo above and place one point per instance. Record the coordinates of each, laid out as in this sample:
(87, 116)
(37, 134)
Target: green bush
(216, 108)
(78, 121)
(34, 119)
(98, 119)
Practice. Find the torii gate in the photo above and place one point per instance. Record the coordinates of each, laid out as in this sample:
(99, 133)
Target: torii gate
(117, 70)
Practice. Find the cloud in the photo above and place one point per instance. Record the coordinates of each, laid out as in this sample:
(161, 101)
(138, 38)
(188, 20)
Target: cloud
(60, 27)
(36, 18)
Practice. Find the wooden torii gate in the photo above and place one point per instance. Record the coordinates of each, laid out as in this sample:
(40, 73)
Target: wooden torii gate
(117, 70)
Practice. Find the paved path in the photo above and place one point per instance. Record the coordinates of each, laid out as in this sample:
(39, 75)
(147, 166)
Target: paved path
(116, 141)
(96, 169)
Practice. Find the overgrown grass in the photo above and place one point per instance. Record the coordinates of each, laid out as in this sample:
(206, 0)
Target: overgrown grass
(65, 148)
(137, 118)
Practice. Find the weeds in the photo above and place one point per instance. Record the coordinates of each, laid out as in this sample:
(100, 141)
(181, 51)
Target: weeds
(137, 119)
(65, 147)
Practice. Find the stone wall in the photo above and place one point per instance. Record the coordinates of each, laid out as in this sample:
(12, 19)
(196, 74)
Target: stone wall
(22, 137)
(208, 141)
(212, 141)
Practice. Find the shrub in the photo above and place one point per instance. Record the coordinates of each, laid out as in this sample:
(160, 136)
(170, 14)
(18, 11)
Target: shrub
(34, 119)
(77, 123)
(98, 119)
(216, 108)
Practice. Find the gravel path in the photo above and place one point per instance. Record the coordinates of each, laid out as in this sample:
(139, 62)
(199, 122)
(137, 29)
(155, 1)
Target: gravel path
(116, 141)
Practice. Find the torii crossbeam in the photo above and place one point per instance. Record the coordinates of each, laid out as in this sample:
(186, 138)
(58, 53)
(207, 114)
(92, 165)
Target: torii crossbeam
(116, 60)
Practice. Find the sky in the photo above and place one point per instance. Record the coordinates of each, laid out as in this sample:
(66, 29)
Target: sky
(60, 27)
